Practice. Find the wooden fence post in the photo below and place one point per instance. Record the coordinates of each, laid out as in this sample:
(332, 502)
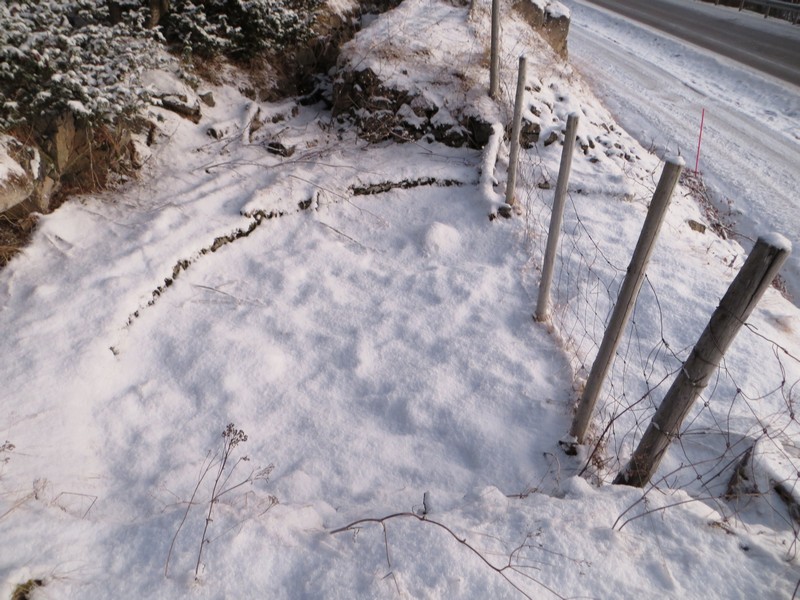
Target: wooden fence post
(513, 160)
(494, 75)
(556, 217)
(625, 301)
(751, 282)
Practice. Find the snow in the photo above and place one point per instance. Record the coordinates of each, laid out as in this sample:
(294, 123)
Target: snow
(77, 107)
(8, 166)
(657, 86)
(162, 82)
(488, 162)
(776, 240)
(557, 10)
(377, 348)
(342, 7)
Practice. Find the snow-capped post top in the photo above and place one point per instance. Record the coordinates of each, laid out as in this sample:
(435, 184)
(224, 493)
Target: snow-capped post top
(777, 241)
(674, 159)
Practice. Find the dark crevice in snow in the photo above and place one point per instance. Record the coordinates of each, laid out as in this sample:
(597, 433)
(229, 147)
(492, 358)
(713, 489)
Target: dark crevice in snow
(380, 188)
(258, 217)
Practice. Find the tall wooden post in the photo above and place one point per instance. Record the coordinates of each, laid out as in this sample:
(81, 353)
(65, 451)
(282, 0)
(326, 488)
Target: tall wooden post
(513, 160)
(494, 69)
(626, 300)
(556, 217)
(751, 282)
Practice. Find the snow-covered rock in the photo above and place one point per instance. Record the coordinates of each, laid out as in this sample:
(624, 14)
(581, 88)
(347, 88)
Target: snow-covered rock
(394, 85)
(550, 19)
(171, 93)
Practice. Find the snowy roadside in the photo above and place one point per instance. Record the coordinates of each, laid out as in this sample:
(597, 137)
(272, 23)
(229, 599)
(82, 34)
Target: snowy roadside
(375, 346)
(657, 88)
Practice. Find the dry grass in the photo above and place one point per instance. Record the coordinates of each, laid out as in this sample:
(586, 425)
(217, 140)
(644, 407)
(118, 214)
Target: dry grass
(23, 591)
(14, 235)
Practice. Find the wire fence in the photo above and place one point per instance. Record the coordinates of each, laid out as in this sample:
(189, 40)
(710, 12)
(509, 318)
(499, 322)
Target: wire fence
(744, 422)
(740, 445)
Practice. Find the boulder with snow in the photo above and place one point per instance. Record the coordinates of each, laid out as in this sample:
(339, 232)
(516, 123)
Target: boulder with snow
(169, 92)
(550, 19)
(395, 84)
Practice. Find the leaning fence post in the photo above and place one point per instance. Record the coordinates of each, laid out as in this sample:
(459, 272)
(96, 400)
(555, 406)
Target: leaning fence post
(751, 282)
(494, 68)
(625, 301)
(511, 180)
(543, 301)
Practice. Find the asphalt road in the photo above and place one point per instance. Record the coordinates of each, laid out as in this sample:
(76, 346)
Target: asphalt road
(770, 53)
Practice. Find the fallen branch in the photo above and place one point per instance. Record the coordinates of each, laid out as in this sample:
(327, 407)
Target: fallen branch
(355, 526)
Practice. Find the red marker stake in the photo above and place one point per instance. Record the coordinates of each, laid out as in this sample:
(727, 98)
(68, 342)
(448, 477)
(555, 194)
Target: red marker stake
(699, 140)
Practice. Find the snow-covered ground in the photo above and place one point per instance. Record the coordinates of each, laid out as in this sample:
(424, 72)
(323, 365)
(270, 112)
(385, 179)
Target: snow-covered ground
(377, 348)
(657, 87)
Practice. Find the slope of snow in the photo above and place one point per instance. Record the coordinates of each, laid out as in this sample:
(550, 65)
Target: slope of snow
(657, 88)
(369, 328)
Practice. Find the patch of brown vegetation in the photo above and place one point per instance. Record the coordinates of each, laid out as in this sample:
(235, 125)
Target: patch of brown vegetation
(720, 224)
(14, 235)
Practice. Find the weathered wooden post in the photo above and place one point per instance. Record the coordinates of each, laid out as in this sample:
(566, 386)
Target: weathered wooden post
(625, 302)
(513, 160)
(494, 68)
(556, 217)
(755, 276)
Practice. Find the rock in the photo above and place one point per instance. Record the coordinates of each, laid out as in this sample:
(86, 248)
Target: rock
(376, 98)
(529, 134)
(207, 98)
(506, 211)
(172, 94)
(218, 131)
(550, 19)
(480, 129)
(363, 89)
(280, 149)
(182, 107)
(382, 112)
(696, 226)
(556, 27)
(455, 135)
(42, 194)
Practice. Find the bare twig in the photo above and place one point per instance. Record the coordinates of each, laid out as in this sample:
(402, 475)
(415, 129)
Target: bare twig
(355, 526)
(231, 438)
(204, 469)
(344, 235)
(660, 508)
(221, 462)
